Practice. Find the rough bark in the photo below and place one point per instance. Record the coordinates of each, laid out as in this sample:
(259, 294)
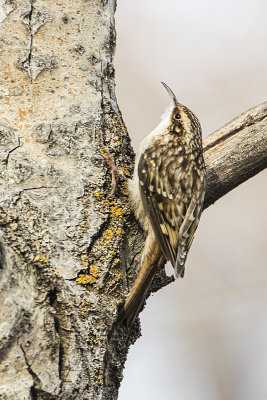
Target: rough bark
(61, 234)
(68, 252)
(236, 152)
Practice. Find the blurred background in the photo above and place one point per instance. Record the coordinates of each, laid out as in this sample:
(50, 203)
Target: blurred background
(204, 337)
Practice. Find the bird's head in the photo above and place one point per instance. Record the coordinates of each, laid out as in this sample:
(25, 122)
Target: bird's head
(181, 120)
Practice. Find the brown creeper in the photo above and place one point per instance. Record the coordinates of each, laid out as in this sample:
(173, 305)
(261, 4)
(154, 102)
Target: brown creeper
(167, 191)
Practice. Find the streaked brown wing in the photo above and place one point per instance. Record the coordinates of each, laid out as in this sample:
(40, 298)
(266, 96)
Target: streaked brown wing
(164, 232)
(174, 218)
(187, 231)
(165, 214)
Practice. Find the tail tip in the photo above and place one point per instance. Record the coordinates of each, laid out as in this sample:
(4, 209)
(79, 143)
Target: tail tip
(179, 271)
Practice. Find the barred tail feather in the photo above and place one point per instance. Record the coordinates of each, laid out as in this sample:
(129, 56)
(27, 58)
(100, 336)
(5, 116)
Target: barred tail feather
(152, 259)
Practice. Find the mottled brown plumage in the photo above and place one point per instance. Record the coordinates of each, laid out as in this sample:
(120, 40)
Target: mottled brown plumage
(168, 189)
(172, 177)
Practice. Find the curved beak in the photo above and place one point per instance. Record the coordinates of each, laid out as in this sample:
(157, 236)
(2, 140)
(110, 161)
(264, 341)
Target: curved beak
(172, 95)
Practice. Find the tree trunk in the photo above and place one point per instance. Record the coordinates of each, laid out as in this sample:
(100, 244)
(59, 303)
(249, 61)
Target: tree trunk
(61, 234)
(69, 251)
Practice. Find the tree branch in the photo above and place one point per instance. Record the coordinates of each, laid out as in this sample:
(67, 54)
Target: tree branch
(235, 152)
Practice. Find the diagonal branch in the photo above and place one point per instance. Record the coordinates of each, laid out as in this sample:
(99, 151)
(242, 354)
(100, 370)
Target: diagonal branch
(235, 152)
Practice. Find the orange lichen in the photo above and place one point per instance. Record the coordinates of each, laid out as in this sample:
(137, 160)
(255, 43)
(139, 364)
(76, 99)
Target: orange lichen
(84, 308)
(116, 212)
(125, 188)
(88, 279)
(108, 234)
(94, 271)
(105, 154)
(98, 195)
(85, 262)
(41, 259)
(125, 169)
(85, 279)
(108, 202)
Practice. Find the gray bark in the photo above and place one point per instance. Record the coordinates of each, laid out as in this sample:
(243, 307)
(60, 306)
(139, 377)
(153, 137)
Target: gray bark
(236, 152)
(68, 251)
(61, 235)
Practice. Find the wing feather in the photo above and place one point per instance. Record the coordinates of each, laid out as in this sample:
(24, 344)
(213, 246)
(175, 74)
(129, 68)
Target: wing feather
(186, 234)
(174, 218)
(159, 225)
(164, 214)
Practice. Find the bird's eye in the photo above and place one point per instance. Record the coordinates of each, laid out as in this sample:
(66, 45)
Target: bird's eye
(177, 116)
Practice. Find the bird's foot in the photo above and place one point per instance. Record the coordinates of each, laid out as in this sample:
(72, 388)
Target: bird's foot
(115, 171)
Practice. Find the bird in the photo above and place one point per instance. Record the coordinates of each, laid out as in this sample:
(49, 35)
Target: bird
(167, 191)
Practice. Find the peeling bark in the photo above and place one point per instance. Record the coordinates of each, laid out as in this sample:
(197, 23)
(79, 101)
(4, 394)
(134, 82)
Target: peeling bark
(69, 252)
